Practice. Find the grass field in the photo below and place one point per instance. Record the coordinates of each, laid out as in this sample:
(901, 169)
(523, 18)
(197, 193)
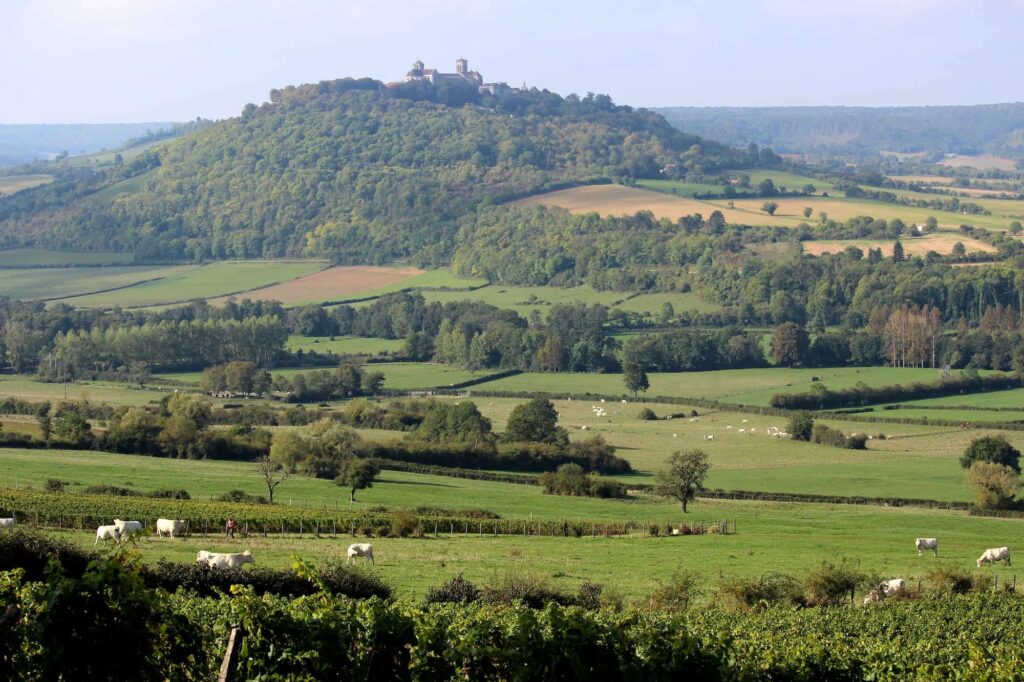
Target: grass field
(941, 243)
(9, 184)
(621, 200)
(740, 386)
(771, 537)
(206, 281)
(1011, 398)
(97, 392)
(22, 257)
(344, 345)
(55, 283)
(979, 161)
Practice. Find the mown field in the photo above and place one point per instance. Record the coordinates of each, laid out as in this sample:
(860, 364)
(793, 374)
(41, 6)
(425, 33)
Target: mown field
(941, 243)
(32, 256)
(740, 386)
(344, 345)
(205, 281)
(9, 184)
(57, 283)
(667, 199)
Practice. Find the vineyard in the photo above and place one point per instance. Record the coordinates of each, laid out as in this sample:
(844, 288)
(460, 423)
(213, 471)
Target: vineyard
(52, 630)
(81, 511)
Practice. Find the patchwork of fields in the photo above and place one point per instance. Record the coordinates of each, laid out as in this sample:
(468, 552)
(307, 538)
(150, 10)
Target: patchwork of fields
(941, 243)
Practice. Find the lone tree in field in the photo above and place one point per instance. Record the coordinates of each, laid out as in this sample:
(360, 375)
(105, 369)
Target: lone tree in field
(684, 476)
(770, 207)
(357, 474)
(801, 425)
(808, 211)
(635, 377)
(994, 484)
(273, 474)
(535, 421)
(995, 449)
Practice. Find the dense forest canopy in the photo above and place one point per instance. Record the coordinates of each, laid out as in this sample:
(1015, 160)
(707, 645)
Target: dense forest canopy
(351, 170)
(862, 131)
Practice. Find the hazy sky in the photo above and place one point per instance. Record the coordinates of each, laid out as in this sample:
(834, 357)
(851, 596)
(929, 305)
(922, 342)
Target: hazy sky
(145, 60)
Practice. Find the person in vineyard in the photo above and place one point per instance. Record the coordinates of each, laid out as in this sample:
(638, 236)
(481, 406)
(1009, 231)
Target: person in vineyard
(230, 527)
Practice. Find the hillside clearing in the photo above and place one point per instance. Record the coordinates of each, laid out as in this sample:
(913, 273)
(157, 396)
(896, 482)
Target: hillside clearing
(33, 284)
(979, 161)
(915, 246)
(9, 184)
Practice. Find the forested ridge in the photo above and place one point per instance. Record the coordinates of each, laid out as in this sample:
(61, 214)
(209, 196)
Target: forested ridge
(351, 170)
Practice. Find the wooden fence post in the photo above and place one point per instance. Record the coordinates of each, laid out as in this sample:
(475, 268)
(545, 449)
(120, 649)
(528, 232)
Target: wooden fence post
(227, 666)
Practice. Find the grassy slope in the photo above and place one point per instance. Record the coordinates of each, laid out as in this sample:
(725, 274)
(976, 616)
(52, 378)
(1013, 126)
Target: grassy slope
(9, 184)
(355, 345)
(214, 279)
(46, 257)
(48, 283)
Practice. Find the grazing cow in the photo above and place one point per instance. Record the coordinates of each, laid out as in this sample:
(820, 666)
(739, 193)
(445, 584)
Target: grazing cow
(927, 543)
(709, 437)
(743, 430)
(172, 528)
(127, 529)
(583, 428)
(894, 585)
(360, 549)
(675, 435)
(221, 560)
(990, 556)
(7, 523)
(105, 533)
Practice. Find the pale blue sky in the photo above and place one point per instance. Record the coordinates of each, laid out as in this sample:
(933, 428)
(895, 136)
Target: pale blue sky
(142, 60)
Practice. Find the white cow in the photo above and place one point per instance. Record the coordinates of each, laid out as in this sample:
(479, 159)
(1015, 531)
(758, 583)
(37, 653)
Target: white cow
(7, 523)
(990, 556)
(360, 549)
(172, 528)
(927, 543)
(894, 585)
(105, 533)
(222, 560)
(709, 437)
(127, 529)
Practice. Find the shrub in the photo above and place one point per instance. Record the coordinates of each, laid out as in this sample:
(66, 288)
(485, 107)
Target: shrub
(112, 490)
(458, 590)
(857, 441)
(826, 435)
(681, 590)
(241, 496)
(746, 594)
(403, 523)
(994, 484)
(424, 510)
(647, 415)
(525, 588)
(171, 494)
(55, 485)
(832, 584)
(956, 581)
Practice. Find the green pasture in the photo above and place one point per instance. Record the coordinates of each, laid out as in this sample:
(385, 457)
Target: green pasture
(344, 345)
(681, 302)
(739, 386)
(679, 188)
(27, 388)
(435, 285)
(524, 300)
(1011, 398)
(791, 181)
(55, 283)
(952, 415)
(9, 184)
(32, 256)
(206, 281)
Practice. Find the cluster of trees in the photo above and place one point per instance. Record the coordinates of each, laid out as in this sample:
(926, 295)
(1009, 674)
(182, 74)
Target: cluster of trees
(689, 350)
(347, 381)
(241, 377)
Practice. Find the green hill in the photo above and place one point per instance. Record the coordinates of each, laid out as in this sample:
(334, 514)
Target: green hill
(351, 170)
